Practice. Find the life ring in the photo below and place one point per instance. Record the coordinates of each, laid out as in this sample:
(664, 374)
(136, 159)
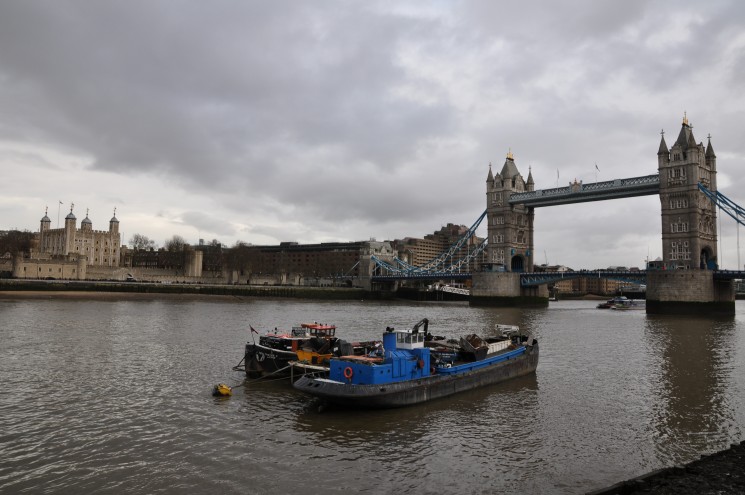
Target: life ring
(348, 372)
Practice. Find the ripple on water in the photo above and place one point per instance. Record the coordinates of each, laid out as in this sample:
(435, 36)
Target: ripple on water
(116, 398)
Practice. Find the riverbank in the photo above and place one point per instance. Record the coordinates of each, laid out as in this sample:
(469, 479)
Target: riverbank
(719, 473)
(106, 296)
(25, 288)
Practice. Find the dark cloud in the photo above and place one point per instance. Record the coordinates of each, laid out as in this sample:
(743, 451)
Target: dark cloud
(337, 120)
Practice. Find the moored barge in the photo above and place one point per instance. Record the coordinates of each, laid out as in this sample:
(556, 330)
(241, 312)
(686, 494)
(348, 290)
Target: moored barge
(413, 367)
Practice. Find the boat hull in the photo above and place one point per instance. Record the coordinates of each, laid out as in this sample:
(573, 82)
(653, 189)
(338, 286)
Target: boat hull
(401, 394)
(262, 360)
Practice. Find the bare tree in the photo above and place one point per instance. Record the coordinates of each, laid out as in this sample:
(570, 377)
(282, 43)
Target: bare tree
(175, 244)
(15, 241)
(141, 242)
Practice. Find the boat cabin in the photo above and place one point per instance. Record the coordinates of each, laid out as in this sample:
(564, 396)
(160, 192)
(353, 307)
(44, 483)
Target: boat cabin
(314, 330)
(406, 339)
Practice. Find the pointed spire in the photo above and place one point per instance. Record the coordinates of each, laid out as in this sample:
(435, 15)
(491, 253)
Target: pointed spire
(663, 145)
(710, 148)
(685, 117)
(530, 175)
(490, 177)
(509, 170)
(691, 139)
(685, 138)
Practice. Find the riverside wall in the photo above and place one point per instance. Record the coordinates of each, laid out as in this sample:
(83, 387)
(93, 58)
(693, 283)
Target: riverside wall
(12, 285)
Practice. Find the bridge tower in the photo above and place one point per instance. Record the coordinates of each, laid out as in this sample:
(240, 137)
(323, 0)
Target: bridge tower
(510, 230)
(686, 282)
(689, 227)
(510, 244)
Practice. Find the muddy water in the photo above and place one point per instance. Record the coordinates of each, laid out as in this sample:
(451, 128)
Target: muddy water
(114, 397)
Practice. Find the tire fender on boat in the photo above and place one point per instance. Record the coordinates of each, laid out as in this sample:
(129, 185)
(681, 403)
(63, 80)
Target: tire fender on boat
(260, 356)
(348, 373)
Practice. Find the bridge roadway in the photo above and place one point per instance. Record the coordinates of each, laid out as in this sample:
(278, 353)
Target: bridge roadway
(540, 278)
(578, 192)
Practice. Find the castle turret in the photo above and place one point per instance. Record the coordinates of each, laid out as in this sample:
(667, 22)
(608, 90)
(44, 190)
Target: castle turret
(70, 221)
(86, 225)
(44, 227)
(114, 224)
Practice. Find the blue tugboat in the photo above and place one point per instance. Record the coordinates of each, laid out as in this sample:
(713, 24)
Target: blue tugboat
(413, 367)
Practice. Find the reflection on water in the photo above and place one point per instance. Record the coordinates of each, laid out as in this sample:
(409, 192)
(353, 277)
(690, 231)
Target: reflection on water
(693, 375)
(115, 397)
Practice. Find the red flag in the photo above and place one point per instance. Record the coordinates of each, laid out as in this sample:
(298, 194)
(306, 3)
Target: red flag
(252, 329)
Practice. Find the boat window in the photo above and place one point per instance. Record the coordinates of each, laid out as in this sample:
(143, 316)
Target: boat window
(408, 338)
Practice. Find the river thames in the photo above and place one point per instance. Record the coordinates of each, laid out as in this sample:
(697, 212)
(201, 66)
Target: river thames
(114, 396)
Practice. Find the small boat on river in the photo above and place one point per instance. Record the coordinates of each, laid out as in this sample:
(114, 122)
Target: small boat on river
(412, 367)
(622, 302)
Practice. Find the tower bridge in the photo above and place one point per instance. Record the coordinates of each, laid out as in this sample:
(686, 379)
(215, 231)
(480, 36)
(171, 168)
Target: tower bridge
(685, 183)
(688, 278)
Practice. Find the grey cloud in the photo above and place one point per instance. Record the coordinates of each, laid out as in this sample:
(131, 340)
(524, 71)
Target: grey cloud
(292, 112)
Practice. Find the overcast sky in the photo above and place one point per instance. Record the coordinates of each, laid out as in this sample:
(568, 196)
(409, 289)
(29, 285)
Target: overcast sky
(343, 121)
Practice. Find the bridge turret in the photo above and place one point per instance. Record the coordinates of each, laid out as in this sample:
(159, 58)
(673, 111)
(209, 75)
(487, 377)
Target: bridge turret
(663, 154)
(689, 236)
(510, 230)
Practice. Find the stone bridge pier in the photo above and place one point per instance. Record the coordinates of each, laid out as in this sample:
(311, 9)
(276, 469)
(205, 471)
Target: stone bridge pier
(503, 289)
(689, 292)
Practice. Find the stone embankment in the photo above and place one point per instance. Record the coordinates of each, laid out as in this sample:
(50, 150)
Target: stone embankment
(30, 286)
(720, 473)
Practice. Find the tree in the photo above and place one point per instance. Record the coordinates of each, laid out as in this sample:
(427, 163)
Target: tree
(141, 242)
(15, 241)
(175, 244)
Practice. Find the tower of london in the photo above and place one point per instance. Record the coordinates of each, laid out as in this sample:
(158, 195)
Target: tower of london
(100, 247)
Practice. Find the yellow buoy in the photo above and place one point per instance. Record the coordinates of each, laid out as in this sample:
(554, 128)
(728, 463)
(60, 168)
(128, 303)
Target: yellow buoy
(222, 390)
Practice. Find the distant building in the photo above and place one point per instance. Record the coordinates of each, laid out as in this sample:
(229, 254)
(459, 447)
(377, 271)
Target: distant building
(100, 247)
(187, 262)
(290, 263)
(419, 252)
